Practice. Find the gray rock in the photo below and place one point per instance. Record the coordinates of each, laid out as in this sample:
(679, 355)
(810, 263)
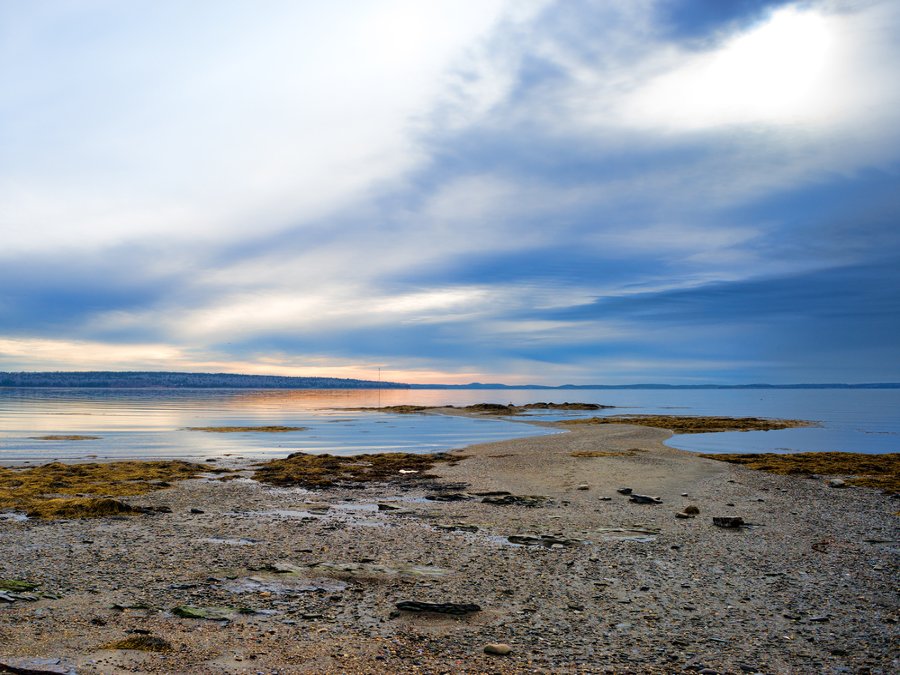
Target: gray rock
(644, 499)
(35, 666)
(624, 491)
(583, 486)
(837, 483)
(497, 649)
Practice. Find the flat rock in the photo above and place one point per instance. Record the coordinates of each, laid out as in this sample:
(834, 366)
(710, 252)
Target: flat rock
(624, 491)
(35, 666)
(457, 608)
(644, 499)
(497, 649)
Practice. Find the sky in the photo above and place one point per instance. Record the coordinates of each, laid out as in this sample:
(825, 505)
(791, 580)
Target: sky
(519, 191)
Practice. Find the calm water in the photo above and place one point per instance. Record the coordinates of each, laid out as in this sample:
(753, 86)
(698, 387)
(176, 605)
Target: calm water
(151, 423)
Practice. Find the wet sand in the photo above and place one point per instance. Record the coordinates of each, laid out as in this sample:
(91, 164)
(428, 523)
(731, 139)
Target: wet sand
(309, 581)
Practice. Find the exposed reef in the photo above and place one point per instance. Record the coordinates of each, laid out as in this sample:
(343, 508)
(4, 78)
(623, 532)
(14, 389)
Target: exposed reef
(686, 424)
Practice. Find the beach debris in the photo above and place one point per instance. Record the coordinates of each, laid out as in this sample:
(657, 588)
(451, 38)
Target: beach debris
(497, 649)
(837, 483)
(624, 491)
(545, 540)
(729, 522)
(531, 501)
(30, 666)
(448, 497)
(141, 643)
(208, 613)
(456, 608)
(644, 499)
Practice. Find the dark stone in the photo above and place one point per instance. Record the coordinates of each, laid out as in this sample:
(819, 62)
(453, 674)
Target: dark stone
(197, 511)
(729, 522)
(531, 501)
(34, 667)
(624, 491)
(644, 499)
(449, 497)
(544, 540)
(457, 608)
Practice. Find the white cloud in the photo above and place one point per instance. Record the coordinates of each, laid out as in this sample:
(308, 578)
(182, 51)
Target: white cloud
(214, 119)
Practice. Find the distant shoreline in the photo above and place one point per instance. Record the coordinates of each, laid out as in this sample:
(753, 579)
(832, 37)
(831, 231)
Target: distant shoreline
(180, 380)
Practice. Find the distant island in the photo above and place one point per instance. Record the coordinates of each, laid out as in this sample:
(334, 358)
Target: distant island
(174, 380)
(171, 380)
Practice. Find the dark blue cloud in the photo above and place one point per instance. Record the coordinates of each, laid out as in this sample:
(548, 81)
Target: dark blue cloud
(697, 19)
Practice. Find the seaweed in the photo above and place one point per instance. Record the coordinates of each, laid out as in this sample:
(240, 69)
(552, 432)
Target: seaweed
(686, 424)
(875, 471)
(317, 471)
(58, 490)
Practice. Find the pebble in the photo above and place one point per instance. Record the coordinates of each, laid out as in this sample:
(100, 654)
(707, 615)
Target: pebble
(624, 491)
(837, 483)
(497, 649)
(584, 486)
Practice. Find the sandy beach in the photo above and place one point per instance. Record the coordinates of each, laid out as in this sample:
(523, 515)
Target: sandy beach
(234, 576)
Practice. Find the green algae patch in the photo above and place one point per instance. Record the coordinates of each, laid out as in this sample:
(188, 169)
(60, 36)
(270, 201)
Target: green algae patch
(64, 437)
(875, 471)
(317, 471)
(208, 613)
(17, 585)
(685, 424)
(141, 643)
(236, 430)
(60, 490)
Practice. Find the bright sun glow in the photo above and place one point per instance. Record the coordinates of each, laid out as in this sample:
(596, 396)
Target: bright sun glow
(774, 74)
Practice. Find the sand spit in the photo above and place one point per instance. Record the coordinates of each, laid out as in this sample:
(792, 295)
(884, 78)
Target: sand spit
(526, 556)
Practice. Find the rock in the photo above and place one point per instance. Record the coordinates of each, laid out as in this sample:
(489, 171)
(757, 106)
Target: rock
(583, 486)
(35, 667)
(457, 608)
(209, 613)
(531, 501)
(387, 507)
(644, 499)
(682, 514)
(546, 540)
(691, 510)
(497, 648)
(605, 499)
(456, 527)
(17, 585)
(197, 511)
(837, 483)
(729, 522)
(624, 491)
(448, 497)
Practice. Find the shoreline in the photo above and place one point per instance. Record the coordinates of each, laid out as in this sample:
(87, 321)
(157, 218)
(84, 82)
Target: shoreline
(598, 583)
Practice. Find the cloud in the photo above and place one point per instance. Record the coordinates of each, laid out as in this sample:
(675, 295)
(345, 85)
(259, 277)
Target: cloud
(550, 190)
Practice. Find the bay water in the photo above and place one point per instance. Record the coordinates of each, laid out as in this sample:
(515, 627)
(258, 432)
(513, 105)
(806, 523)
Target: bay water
(153, 423)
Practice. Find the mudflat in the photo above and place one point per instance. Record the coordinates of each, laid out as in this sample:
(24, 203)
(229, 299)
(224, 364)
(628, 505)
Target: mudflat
(577, 552)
